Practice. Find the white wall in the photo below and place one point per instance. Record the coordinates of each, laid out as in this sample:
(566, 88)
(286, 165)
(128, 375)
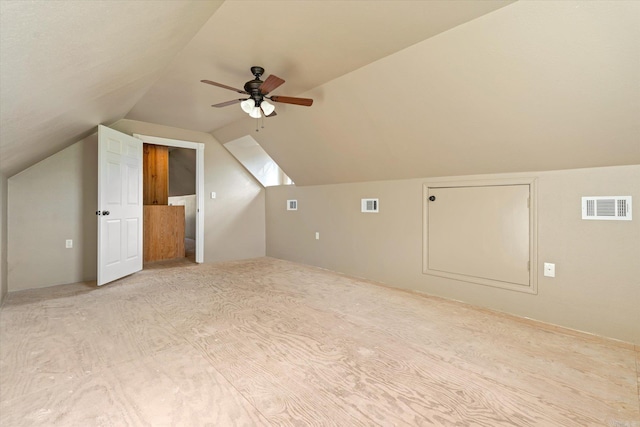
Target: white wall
(190, 204)
(56, 199)
(597, 283)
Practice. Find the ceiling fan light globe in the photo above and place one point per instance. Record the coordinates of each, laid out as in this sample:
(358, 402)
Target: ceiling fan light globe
(248, 105)
(255, 113)
(267, 107)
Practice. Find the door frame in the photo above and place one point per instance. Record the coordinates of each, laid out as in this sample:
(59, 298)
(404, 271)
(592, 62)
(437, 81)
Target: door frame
(199, 147)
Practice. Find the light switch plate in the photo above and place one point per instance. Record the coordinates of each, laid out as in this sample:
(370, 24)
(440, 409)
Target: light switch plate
(549, 269)
(68, 244)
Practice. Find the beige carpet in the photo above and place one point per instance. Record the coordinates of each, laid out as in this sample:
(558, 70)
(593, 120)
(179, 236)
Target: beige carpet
(269, 342)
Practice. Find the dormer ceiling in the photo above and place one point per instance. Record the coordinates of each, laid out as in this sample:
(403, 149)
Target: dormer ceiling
(401, 88)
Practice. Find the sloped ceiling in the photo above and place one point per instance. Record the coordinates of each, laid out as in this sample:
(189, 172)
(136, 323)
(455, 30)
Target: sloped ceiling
(67, 66)
(532, 86)
(307, 43)
(402, 88)
(70, 65)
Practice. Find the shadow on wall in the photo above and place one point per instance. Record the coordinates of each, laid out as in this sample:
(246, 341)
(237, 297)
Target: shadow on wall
(182, 171)
(88, 241)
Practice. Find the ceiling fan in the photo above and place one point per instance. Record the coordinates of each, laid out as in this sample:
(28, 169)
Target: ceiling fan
(256, 104)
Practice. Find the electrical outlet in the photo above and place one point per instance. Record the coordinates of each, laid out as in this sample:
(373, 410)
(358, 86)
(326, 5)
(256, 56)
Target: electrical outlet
(317, 235)
(213, 194)
(549, 269)
(68, 244)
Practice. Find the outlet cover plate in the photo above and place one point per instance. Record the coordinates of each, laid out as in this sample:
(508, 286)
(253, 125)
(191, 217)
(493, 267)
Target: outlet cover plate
(549, 269)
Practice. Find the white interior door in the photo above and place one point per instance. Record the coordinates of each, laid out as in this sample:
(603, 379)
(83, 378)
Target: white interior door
(119, 205)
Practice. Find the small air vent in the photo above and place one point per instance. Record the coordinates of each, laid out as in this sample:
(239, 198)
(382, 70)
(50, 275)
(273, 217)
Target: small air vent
(292, 205)
(370, 205)
(607, 208)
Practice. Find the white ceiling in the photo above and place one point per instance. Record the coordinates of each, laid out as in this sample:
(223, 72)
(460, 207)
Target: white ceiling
(401, 88)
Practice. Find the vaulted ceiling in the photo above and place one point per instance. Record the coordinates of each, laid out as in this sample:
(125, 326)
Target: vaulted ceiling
(402, 88)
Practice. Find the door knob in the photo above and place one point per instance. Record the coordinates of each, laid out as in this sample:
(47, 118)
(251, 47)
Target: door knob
(432, 198)
(105, 212)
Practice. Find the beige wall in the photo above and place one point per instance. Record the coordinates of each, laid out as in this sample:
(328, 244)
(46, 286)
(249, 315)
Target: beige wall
(50, 202)
(55, 200)
(3, 237)
(597, 283)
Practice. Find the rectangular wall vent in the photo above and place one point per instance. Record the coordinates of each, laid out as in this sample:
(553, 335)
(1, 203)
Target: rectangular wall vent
(607, 208)
(370, 205)
(292, 205)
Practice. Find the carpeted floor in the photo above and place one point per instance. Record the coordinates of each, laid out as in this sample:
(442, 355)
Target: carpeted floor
(274, 343)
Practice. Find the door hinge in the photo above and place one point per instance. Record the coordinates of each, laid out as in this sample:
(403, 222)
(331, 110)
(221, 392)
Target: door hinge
(528, 265)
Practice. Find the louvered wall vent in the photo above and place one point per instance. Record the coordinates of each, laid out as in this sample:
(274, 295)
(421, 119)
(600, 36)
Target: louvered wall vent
(292, 205)
(370, 205)
(607, 208)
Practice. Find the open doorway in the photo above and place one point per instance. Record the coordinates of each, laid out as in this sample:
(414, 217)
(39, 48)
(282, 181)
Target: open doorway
(184, 190)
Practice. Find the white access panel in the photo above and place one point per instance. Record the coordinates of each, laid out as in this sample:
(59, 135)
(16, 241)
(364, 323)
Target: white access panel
(480, 234)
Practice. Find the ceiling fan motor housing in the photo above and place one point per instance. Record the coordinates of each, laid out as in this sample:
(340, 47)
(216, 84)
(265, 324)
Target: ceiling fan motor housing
(253, 86)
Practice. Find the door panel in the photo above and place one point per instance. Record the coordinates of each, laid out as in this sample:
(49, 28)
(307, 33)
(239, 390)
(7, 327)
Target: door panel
(113, 181)
(120, 205)
(113, 241)
(480, 232)
(133, 187)
(132, 238)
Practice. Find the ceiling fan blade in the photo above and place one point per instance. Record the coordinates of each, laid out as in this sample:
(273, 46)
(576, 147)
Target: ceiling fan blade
(270, 84)
(209, 82)
(225, 104)
(272, 114)
(291, 100)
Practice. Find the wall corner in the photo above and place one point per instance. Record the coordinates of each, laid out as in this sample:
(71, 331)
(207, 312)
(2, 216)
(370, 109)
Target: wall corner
(3, 238)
